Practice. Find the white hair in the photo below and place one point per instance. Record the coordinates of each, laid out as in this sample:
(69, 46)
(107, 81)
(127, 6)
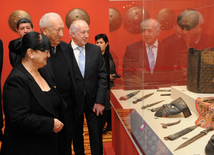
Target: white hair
(157, 24)
(74, 26)
(45, 20)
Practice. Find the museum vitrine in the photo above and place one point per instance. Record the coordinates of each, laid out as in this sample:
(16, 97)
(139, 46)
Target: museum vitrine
(163, 52)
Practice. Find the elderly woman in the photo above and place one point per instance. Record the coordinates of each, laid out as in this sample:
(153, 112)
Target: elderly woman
(34, 111)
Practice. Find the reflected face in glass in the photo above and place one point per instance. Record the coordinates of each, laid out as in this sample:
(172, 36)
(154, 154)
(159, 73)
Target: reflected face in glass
(55, 31)
(100, 42)
(149, 32)
(24, 28)
(190, 27)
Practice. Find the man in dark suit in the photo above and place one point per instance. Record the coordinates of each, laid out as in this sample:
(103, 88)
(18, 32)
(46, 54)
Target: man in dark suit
(91, 86)
(24, 26)
(60, 68)
(138, 71)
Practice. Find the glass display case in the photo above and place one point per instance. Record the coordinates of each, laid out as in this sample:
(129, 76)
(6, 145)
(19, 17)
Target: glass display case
(151, 42)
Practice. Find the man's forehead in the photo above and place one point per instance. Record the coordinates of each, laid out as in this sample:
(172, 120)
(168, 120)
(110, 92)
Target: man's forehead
(24, 25)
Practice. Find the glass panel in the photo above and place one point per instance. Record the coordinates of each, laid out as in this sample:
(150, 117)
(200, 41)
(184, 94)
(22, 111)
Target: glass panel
(150, 42)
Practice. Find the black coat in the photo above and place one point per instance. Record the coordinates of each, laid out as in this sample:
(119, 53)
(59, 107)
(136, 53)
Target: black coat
(93, 86)
(29, 116)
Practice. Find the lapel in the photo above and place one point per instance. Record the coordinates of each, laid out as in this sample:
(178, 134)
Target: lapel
(37, 92)
(87, 58)
(49, 69)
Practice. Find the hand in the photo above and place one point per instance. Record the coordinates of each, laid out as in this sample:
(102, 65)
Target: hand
(111, 77)
(58, 125)
(98, 109)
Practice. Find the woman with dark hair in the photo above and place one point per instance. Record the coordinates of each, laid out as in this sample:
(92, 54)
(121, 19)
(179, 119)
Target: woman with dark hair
(34, 111)
(102, 41)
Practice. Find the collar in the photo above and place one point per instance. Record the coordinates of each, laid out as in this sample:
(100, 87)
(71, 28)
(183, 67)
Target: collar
(74, 46)
(155, 44)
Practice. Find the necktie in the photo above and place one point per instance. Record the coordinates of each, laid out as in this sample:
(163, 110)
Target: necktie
(81, 61)
(151, 59)
(53, 49)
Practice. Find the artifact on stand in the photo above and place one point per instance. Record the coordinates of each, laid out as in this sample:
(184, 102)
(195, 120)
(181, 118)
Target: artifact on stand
(128, 96)
(164, 125)
(181, 133)
(200, 75)
(15, 16)
(75, 14)
(175, 107)
(133, 17)
(142, 98)
(209, 149)
(201, 134)
(115, 19)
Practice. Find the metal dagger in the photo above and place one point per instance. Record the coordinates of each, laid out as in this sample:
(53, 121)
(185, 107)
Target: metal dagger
(142, 98)
(149, 105)
(126, 97)
(201, 134)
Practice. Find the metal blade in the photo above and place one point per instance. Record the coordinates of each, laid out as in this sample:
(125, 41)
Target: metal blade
(201, 134)
(149, 105)
(142, 98)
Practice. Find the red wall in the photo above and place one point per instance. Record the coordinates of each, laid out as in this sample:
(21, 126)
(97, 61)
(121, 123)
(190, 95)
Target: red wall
(36, 9)
(99, 21)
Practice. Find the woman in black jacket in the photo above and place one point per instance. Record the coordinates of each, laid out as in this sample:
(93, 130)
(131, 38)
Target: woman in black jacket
(34, 111)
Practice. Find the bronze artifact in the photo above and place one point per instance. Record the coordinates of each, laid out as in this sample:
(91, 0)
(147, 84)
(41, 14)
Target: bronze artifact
(149, 105)
(142, 98)
(75, 14)
(15, 16)
(209, 149)
(169, 124)
(175, 107)
(115, 19)
(133, 17)
(128, 96)
(181, 133)
(167, 18)
(201, 134)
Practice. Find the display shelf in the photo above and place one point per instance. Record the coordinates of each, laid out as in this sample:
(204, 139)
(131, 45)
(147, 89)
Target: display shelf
(139, 117)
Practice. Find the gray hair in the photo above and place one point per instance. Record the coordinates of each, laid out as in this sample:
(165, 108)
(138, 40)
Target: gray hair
(74, 26)
(157, 24)
(45, 20)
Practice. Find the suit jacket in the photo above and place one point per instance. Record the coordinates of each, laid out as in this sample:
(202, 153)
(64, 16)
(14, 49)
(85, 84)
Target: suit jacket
(136, 70)
(178, 53)
(67, 52)
(92, 88)
(29, 116)
(13, 50)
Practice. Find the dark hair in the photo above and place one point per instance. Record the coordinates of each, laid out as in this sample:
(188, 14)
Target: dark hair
(105, 38)
(35, 41)
(24, 20)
